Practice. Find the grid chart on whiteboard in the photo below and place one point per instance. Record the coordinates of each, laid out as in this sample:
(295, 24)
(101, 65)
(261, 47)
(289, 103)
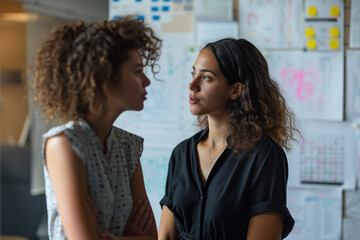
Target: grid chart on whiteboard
(322, 160)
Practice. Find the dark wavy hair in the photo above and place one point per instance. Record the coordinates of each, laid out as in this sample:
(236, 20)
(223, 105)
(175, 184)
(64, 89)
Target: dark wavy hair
(261, 109)
(79, 63)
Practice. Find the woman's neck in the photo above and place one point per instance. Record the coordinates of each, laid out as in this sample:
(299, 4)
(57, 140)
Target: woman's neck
(101, 125)
(219, 130)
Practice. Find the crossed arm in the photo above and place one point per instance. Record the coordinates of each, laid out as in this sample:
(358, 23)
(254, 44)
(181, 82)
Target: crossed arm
(77, 211)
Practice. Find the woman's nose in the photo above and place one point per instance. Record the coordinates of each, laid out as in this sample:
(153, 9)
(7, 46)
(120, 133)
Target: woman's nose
(146, 81)
(193, 85)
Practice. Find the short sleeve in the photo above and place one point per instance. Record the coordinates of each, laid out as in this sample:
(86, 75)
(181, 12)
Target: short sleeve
(268, 186)
(167, 199)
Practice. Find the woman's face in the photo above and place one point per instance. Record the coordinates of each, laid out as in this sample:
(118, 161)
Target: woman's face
(130, 93)
(209, 91)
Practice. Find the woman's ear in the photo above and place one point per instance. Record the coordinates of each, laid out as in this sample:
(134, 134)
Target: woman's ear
(237, 90)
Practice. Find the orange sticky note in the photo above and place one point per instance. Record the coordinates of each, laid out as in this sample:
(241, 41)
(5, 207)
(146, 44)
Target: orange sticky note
(311, 43)
(312, 11)
(334, 32)
(334, 43)
(309, 32)
(334, 11)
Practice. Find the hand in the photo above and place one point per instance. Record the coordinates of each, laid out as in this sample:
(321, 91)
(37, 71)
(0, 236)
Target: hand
(140, 220)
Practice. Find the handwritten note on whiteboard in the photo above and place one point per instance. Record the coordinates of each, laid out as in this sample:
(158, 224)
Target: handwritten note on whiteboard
(317, 213)
(272, 24)
(312, 82)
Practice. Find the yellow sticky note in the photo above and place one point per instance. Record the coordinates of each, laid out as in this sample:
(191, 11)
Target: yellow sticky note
(309, 32)
(334, 11)
(311, 43)
(334, 32)
(312, 11)
(334, 44)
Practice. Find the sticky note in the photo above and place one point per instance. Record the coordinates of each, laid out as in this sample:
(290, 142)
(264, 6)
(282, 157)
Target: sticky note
(142, 17)
(309, 32)
(311, 43)
(334, 43)
(334, 11)
(312, 11)
(334, 32)
(156, 17)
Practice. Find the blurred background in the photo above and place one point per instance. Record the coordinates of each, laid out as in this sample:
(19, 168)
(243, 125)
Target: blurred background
(313, 51)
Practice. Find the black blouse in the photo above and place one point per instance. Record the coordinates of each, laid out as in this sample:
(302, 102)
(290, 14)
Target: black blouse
(237, 188)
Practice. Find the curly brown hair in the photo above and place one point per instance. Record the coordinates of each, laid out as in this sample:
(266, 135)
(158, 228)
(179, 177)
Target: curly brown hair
(78, 64)
(261, 109)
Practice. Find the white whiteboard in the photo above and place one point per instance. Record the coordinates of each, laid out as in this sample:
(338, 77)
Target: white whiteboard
(312, 82)
(272, 24)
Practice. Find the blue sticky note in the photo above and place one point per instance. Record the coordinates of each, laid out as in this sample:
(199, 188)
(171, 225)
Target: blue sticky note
(166, 0)
(116, 17)
(154, 9)
(165, 8)
(138, 0)
(140, 17)
(156, 17)
(154, 0)
(116, 0)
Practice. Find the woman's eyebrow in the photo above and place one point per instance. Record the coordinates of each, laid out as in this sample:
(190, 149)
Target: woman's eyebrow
(138, 65)
(205, 70)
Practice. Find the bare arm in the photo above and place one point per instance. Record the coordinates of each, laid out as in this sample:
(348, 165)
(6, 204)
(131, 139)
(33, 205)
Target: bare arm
(266, 226)
(68, 177)
(167, 230)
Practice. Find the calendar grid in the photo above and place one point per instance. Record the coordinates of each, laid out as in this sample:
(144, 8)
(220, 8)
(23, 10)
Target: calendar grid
(322, 160)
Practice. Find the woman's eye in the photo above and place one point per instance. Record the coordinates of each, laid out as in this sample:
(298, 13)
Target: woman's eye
(206, 78)
(193, 74)
(138, 72)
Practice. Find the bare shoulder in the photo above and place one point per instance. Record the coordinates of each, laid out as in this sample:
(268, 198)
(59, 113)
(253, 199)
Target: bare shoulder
(58, 150)
(57, 141)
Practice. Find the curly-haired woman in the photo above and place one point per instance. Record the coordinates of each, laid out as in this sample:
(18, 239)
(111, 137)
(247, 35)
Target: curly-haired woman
(229, 180)
(86, 75)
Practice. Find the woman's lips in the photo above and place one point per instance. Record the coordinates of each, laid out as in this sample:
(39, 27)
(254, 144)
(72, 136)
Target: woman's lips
(193, 100)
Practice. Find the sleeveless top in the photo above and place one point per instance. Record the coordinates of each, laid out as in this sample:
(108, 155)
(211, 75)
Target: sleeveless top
(108, 175)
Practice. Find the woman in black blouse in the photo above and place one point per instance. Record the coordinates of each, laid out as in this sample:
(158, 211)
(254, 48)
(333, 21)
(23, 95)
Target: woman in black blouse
(229, 180)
